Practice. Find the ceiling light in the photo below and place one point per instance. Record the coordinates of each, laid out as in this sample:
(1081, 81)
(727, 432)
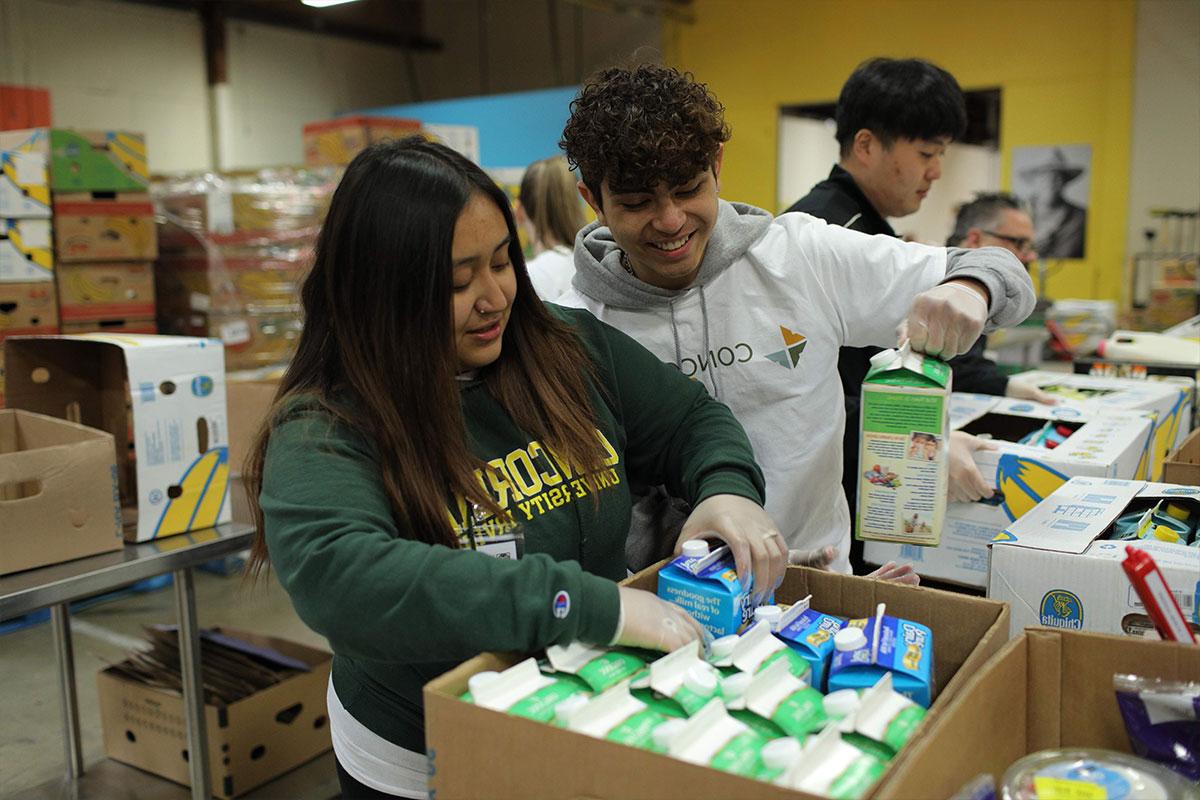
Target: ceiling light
(325, 3)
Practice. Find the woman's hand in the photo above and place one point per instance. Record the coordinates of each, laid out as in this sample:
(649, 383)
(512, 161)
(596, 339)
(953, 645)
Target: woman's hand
(757, 546)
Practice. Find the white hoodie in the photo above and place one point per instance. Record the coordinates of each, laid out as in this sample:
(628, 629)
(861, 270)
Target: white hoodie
(761, 326)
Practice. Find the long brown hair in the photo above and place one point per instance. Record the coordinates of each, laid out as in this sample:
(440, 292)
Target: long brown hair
(377, 351)
(551, 201)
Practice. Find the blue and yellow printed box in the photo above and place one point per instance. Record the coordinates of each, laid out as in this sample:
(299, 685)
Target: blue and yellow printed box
(25, 174)
(810, 633)
(81, 161)
(708, 588)
(173, 460)
(26, 253)
(905, 650)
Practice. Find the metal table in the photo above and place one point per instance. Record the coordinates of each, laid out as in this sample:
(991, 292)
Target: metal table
(57, 585)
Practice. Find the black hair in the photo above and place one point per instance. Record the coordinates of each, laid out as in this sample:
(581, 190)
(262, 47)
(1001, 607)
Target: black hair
(982, 212)
(900, 99)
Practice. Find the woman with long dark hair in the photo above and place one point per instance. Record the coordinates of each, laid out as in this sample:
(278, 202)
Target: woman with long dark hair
(446, 466)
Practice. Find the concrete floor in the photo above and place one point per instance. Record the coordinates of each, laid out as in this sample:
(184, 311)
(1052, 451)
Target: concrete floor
(31, 738)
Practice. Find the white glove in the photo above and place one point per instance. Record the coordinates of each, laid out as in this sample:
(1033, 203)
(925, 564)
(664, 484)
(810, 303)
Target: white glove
(1027, 390)
(946, 320)
(757, 546)
(896, 573)
(820, 558)
(966, 484)
(649, 622)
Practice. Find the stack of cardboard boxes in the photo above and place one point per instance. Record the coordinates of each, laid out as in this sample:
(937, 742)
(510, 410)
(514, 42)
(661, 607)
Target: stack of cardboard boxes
(235, 250)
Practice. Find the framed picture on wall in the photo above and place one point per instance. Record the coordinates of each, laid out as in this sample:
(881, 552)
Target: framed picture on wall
(1054, 181)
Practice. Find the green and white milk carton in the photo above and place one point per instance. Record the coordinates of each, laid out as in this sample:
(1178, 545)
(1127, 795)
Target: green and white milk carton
(904, 446)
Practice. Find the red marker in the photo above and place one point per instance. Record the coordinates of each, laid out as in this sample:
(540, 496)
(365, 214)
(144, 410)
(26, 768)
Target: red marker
(1156, 596)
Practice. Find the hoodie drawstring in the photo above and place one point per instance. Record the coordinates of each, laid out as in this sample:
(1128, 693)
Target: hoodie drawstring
(716, 389)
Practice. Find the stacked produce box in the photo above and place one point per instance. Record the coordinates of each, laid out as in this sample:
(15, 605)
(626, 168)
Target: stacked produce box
(234, 250)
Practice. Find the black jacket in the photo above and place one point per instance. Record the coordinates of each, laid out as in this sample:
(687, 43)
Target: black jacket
(839, 201)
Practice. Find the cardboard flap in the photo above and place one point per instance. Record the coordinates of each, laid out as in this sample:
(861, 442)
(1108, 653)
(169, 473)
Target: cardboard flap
(1071, 518)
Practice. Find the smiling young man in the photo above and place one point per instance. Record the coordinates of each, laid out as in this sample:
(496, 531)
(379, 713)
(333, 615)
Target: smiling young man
(753, 307)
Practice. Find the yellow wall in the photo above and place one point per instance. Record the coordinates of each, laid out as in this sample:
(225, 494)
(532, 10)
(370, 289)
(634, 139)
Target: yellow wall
(1065, 68)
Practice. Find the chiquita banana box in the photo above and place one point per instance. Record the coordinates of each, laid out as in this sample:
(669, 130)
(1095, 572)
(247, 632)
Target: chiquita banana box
(106, 290)
(163, 400)
(73, 161)
(24, 174)
(904, 445)
(104, 226)
(26, 255)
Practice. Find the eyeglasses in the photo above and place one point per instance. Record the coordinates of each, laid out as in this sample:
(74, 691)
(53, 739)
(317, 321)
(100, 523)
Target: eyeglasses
(1022, 244)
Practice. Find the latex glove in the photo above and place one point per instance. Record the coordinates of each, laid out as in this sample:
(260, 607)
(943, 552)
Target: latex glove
(820, 558)
(946, 320)
(966, 484)
(1026, 390)
(652, 623)
(896, 573)
(757, 546)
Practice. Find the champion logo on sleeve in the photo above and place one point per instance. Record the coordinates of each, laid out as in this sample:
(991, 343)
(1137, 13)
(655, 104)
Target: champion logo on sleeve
(562, 604)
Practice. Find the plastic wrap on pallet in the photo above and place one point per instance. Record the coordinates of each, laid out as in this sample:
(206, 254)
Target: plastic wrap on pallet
(234, 251)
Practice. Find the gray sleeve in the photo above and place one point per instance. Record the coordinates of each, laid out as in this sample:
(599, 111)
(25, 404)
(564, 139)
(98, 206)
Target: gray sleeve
(1006, 279)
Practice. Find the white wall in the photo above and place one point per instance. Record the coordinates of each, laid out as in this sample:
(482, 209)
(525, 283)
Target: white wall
(110, 64)
(1165, 168)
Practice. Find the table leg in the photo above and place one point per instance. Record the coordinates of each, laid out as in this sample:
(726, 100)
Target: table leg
(193, 689)
(60, 617)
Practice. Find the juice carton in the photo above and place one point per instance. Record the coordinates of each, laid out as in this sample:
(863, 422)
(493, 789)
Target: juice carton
(706, 585)
(904, 448)
(866, 649)
(810, 633)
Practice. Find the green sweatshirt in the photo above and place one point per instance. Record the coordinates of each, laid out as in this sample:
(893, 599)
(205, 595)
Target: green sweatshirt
(398, 612)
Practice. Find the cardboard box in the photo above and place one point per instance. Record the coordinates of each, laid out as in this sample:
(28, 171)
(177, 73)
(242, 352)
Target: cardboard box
(25, 252)
(1183, 464)
(1170, 399)
(337, 141)
(28, 308)
(1139, 370)
(257, 284)
(1105, 443)
(163, 400)
(106, 290)
(463, 139)
(98, 161)
(250, 741)
(1055, 570)
(23, 107)
(252, 341)
(111, 326)
(249, 403)
(58, 493)
(548, 762)
(24, 175)
(1045, 690)
(104, 226)
(903, 452)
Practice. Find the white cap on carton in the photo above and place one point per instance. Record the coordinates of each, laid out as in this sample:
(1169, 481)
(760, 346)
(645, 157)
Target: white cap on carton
(770, 614)
(701, 679)
(841, 704)
(480, 679)
(735, 685)
(695, 548)
(664, 733)
(780, 753)
(570, 707)
(723, 647)
(849, 638)
(884, 357)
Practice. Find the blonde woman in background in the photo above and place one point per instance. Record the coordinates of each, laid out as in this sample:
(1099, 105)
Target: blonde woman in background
(549, 211)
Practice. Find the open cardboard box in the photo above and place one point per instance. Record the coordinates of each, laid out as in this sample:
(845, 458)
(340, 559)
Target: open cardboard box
(1046, 689)
(250, 741)
(57, 492)
(1183, 464)
(536, 760)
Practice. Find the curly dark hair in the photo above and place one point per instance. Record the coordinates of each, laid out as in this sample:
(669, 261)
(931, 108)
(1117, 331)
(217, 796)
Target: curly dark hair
(639, 126)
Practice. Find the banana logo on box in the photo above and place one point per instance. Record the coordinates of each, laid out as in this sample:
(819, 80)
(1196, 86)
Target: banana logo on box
(201, 495)
(1025, 483)
(37, 192)
(130, 152)
(89, 290)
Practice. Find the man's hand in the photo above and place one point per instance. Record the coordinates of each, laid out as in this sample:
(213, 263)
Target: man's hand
(1027, 390)
(966, 484)
(822, 557)
(757, 546)
(946, 320)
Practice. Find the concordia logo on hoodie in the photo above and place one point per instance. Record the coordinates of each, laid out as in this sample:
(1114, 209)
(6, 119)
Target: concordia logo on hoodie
(793, 346)
(740, 353)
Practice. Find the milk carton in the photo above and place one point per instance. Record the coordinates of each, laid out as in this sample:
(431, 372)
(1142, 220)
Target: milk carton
(523, 691)
(831, 767)
(903, 448)
(714, 739)
(706, 585)
(867, 649)
(810, 633)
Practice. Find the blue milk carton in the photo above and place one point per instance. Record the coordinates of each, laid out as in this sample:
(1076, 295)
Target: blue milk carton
(810, 633)
(705, 584)
(904, 648)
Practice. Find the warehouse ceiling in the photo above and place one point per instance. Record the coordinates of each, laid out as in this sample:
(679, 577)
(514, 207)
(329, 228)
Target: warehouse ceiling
(393, 23)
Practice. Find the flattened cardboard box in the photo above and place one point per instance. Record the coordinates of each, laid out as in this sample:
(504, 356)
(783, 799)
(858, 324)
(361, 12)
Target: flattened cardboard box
(1183, 464)
(1046, 689)
(24, 174)
(163, 400)
(1105, 443)
(547, 762)
(250, 741)
(58, 492)
(104, 226)
(26, 254)
(1055, 570)
(106, 291)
